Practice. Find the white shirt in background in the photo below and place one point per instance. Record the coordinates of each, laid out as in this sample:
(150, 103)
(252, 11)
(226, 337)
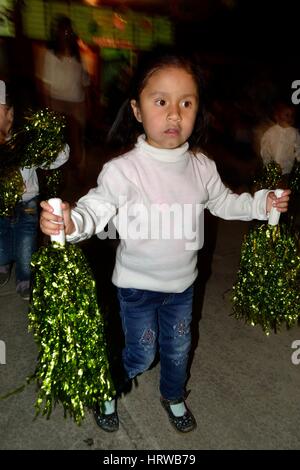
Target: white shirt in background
(282, 145)
(64, 77)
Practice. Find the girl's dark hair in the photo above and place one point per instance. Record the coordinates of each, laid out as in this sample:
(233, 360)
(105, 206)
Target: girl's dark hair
(126, 128)
(61, 24)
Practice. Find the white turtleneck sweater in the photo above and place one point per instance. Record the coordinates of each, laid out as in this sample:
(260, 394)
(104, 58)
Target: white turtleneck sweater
(155, 198)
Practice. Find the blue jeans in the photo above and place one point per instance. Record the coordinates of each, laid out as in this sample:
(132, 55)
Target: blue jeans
(18, 238)
(156, 319)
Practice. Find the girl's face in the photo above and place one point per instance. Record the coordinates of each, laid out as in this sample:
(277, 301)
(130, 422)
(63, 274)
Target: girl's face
(167, 107)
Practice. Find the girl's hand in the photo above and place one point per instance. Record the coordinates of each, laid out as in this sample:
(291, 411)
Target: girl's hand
(281, 203)
(51, 224)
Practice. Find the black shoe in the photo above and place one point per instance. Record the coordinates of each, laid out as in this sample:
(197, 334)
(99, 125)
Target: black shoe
(183, 423)
(109, 423)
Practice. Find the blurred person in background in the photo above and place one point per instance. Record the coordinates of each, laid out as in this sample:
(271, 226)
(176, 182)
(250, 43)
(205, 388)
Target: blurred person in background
(281, 142)
(65, 88)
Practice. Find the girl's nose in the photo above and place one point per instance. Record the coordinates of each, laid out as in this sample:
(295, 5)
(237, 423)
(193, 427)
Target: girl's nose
(174, 114)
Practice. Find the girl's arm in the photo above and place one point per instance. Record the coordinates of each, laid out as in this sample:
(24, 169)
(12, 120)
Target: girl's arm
(223, 203)
(92, 212)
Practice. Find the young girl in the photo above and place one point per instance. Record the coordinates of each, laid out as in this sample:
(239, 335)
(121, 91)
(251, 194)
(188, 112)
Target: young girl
(156, 193)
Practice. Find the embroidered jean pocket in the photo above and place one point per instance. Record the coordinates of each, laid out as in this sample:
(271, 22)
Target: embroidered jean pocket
(131, 296)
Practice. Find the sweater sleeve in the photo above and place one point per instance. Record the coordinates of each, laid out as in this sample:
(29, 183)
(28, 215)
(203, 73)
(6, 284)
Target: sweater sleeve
(61, 158)
(223, 203)
(94, 210)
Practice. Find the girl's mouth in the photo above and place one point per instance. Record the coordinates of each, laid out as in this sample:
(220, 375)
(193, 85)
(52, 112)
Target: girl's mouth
(172, 131)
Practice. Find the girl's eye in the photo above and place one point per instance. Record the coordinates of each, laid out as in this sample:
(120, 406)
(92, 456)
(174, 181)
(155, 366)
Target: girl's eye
(160, 102)
(186, 104)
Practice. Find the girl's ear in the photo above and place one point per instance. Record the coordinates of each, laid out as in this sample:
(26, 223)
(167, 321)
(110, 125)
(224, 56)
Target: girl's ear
(136, 110)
